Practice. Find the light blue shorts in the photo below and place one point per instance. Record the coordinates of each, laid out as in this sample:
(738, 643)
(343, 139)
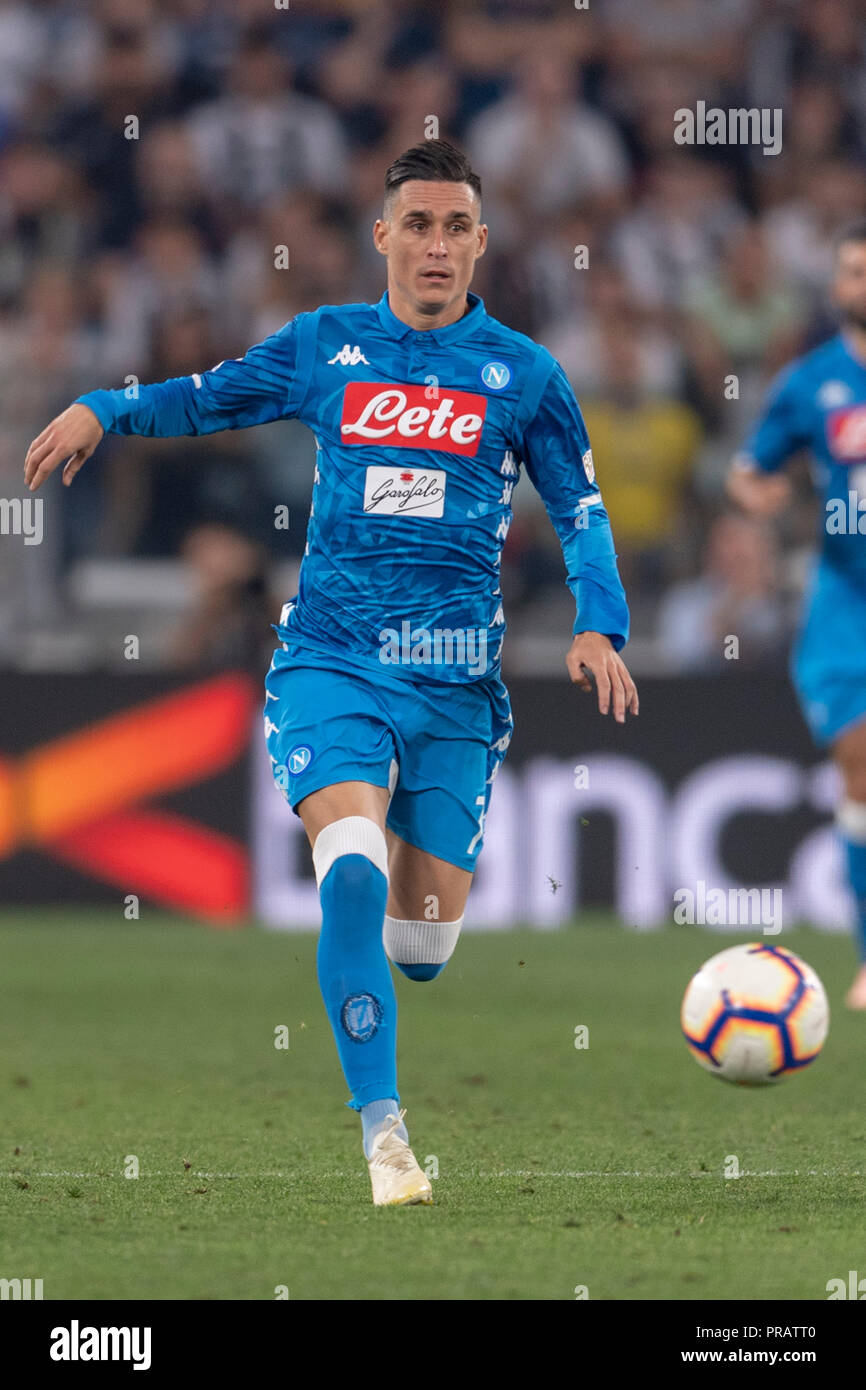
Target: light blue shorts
(828, 662)
(438, 745)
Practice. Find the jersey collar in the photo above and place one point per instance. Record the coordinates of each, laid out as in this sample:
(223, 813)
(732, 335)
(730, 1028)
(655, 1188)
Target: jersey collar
(452, 333)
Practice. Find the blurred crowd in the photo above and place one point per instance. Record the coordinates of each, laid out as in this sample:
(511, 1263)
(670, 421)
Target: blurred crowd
(154, 153)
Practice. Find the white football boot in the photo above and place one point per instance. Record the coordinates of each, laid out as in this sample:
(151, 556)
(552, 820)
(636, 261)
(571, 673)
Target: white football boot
(397, 1179)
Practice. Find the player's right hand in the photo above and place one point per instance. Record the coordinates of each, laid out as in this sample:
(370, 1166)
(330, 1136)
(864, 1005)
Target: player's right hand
(71, 437)
(756, 493)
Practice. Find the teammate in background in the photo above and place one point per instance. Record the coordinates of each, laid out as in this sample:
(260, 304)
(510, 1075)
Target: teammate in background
(385, 716)
(819, 403)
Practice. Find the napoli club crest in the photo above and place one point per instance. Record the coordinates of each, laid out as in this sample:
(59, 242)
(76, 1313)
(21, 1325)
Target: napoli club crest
(299, 759)
(495, 375)
(360, 1016)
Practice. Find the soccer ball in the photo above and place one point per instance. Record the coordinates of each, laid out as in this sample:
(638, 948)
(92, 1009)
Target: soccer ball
(754, 1013)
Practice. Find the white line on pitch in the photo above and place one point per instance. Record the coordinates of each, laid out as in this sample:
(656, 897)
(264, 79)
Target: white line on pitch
(457, 1173)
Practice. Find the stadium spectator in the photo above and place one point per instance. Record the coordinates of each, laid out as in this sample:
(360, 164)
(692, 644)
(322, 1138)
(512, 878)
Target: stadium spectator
(580, 339)
(741, 322)
(737, 596)
(644, 444)
(42, 217)
(800, 229)
(229, 624)
(260, 138)
(673, 234)
(541, 146)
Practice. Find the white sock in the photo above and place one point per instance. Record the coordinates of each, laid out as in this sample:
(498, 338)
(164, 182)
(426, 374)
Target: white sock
(420, 949)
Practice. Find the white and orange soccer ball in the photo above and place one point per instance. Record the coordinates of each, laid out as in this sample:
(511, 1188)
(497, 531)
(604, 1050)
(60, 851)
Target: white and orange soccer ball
(755, 1013)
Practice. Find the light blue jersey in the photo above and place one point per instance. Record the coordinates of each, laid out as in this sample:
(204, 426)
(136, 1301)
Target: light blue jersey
(421, 437)
(819, 404)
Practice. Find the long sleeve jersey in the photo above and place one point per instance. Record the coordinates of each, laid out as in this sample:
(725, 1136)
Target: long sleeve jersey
(420, 438)
(818, 403)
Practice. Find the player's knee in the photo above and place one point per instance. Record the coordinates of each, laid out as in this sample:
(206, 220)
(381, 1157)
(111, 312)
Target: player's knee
(358, 875)
(850, 754)
(420, 949)
(421, 973)
(350, 858)
(353, 893)
(855, 782)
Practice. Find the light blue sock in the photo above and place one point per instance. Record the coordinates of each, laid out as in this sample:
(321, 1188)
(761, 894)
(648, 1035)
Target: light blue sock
(421, 973)
(355, 977)
(374, 1118)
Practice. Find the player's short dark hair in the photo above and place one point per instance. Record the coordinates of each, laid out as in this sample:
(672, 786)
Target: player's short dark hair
(432, 160)
(852, 232)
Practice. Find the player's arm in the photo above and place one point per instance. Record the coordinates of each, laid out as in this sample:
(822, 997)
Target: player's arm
(554, 445)
(255, 389)
(755, 482)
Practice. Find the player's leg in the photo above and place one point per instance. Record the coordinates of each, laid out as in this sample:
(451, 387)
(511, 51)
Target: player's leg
(426, 903)
(849, 751)
(829, 671)
(436, 819)
(345, 824)
(333, 756)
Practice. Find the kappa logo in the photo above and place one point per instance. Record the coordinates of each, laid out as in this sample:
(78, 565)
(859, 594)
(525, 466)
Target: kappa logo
(348, 357)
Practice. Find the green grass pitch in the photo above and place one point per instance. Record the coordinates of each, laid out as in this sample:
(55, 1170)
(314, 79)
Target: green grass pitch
(558, 1167)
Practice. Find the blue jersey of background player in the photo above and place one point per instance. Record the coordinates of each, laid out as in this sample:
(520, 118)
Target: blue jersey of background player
(385, 715)
(819, 404)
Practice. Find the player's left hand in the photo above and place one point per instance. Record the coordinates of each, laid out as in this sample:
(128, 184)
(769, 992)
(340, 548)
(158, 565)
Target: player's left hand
(592, 654)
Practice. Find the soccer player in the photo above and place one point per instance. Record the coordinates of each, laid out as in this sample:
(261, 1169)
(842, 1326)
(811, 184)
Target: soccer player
(818, 403)
(385, 715)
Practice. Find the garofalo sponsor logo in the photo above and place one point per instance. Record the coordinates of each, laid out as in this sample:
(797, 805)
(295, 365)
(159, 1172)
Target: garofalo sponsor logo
(439, 646)
(399, 492)
(76, 1343)
(736, 126)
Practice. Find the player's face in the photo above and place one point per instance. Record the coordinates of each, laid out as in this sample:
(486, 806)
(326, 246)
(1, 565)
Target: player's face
(849, 284)
(432, 239)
